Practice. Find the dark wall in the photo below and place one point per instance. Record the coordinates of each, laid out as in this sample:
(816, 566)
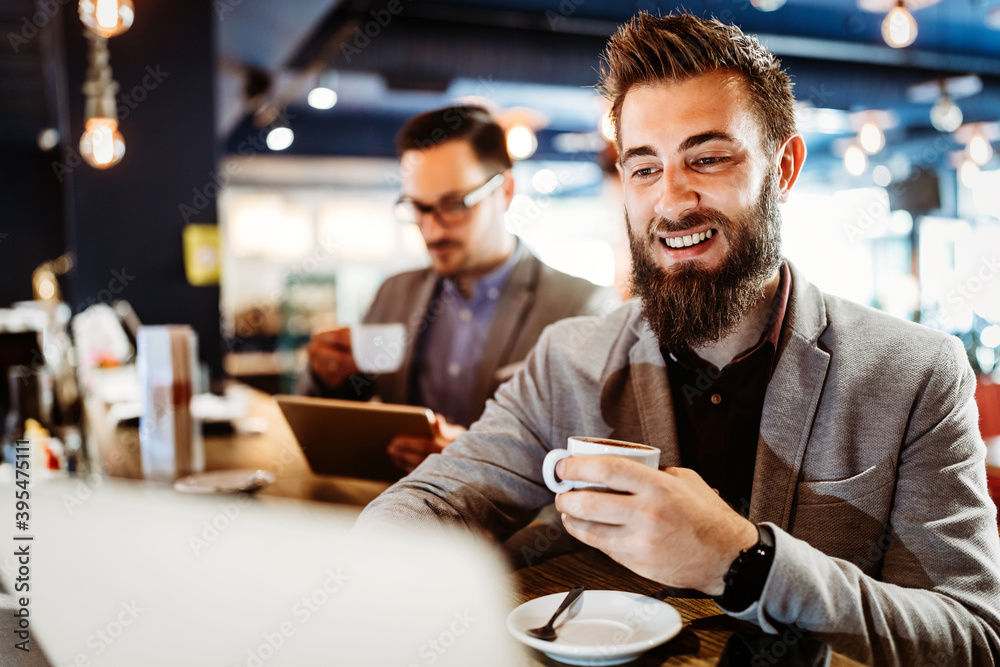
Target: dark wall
(128, 220)
(31, 222)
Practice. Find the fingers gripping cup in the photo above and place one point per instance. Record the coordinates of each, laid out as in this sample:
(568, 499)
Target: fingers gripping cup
(581, 446)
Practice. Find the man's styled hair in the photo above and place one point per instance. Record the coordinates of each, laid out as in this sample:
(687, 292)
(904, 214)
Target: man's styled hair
(469, 123)
(679, 47)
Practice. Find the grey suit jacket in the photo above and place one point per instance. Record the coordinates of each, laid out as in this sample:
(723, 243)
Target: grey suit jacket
(870, 469)
(534, 296)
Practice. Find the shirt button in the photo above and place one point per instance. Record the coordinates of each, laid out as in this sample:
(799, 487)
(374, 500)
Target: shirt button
(454, 368)
(493, 293)
(716, 399)
(465, 315)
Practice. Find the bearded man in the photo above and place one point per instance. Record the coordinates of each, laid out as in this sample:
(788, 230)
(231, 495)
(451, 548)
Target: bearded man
(821, 462)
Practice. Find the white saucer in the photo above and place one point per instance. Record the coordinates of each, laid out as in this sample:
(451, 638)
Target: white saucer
(601, 628)
(225, 481)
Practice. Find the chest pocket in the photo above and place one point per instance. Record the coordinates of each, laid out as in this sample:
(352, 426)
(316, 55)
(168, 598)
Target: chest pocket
(846, 518)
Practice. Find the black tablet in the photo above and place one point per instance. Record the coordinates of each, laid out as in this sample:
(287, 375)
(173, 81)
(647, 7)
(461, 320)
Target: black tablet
(349, 438)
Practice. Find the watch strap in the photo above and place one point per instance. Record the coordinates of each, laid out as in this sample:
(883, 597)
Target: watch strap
(748, 573)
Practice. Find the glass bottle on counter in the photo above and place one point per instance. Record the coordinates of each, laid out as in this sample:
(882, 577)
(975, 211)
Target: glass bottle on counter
(30, 398)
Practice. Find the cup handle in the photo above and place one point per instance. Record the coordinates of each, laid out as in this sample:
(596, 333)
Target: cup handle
(549, 471)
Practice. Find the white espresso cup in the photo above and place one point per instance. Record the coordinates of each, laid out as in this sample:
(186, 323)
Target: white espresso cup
(583, 446)
(378, 348)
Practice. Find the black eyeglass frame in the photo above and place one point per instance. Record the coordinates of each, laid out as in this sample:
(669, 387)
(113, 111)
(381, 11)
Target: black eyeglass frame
(408, 210)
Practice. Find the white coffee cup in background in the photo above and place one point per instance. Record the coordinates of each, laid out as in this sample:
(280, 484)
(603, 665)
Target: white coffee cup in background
(378, 348)
(584, 446)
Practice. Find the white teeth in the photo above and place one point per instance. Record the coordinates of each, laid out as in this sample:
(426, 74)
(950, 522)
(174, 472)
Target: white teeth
(687, 240)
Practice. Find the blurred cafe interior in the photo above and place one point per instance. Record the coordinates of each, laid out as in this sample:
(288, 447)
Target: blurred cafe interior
(230, 166)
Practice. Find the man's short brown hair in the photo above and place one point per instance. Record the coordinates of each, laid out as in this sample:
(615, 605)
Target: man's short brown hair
(469, 123)
(649, 49)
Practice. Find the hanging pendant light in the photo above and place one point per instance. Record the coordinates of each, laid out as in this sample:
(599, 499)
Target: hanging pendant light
(101, 145)
(107, 18)
(899, 28)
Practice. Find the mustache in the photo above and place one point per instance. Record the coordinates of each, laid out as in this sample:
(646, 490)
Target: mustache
(439, 245)
(711, 217)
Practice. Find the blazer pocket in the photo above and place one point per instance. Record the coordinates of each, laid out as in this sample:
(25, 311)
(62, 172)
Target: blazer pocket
(828, 492)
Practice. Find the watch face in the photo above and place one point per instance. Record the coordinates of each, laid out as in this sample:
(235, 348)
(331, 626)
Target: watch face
(748, 574)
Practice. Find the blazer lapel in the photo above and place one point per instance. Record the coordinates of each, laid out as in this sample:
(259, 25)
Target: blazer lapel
(790, 405)
(654, 400)
(516, 298)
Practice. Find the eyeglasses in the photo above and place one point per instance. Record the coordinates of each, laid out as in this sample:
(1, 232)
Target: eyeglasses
(449, 211)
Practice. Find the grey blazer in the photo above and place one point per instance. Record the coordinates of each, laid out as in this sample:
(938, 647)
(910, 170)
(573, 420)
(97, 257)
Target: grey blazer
(534, 296)
(870, 468)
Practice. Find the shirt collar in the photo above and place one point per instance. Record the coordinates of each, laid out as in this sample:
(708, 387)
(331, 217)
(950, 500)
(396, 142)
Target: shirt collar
(495, 279)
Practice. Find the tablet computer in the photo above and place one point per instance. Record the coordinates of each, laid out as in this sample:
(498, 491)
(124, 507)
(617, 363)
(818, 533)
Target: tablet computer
(349, 438)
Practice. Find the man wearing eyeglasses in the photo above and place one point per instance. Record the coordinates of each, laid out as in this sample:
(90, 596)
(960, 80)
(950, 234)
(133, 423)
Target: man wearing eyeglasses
(475, 313)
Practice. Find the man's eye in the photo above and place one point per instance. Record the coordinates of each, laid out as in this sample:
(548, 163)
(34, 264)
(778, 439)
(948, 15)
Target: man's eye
(452, 206)
(712, 161)
(645, 172)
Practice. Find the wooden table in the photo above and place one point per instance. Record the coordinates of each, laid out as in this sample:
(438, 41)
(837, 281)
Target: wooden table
(559, 565)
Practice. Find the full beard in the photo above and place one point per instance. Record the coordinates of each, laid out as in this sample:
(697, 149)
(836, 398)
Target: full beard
(689, 305)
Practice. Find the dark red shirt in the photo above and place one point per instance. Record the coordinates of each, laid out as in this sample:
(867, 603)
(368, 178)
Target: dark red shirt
(718, 412)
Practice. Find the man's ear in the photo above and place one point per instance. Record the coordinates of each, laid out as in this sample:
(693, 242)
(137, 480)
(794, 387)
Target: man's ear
(791, 157)
(508, 187)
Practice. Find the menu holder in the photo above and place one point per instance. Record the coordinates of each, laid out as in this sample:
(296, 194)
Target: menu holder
(169, 437)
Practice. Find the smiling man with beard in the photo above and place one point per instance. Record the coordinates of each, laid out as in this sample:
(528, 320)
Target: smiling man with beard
(692, 305)
(821, 461)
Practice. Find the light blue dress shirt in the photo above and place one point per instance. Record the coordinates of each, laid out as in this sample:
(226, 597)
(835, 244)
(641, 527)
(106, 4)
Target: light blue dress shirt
(450, 348)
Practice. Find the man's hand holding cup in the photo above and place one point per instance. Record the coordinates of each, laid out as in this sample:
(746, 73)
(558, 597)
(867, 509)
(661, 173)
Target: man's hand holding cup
(330, 356)
(336, 354)
(669, 526)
